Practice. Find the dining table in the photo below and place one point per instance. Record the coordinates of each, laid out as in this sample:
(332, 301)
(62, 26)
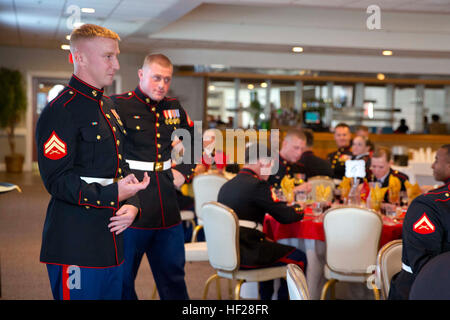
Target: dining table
(308, 235)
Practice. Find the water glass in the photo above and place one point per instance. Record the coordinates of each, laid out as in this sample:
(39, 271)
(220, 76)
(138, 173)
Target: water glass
(317, 208)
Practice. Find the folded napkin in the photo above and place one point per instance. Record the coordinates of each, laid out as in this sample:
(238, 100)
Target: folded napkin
(412, 190)
(377, 196)
(394, 188)
(287, 186)
(345, 186)
(322, 193)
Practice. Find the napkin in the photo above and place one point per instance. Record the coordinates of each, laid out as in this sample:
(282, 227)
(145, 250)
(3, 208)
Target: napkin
(322, 193)
(412, 190)
(394, 189)
(365, 190)
(287, 186)
(345, 186)
(377, 196)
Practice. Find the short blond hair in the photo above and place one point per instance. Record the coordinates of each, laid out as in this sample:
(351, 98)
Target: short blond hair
(90, 31)
(158, 58)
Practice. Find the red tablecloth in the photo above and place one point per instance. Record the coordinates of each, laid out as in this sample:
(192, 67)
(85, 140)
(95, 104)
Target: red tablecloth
(312, 228)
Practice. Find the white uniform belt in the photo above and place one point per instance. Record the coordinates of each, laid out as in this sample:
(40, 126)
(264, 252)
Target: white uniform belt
(102, 181)
(149, 166)
(251, 225)
(406, 268)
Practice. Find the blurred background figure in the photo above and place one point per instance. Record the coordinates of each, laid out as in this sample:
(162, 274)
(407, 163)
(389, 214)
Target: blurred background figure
(343, 138)
(436, 127)
(361, 151)
(402, 128)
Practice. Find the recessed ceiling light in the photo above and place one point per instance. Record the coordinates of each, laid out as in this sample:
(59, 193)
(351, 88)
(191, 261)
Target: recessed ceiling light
(65, 47)
(263, 85)
(297, 49)
(211, 88)
(88, 10)
(381, 76)
(250, 86)
(387, 53)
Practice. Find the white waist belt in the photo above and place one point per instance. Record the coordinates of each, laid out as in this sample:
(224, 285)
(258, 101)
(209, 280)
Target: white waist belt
(251, 225)
(102, 181)
(406, 268)
(149, 166)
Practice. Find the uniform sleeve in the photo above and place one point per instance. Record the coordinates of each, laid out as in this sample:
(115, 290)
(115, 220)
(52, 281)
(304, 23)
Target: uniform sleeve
(279, 210)
(422, 233)
(56, 139)
(187, 167)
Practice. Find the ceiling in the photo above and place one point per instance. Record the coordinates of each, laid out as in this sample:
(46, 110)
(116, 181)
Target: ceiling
(411, 28)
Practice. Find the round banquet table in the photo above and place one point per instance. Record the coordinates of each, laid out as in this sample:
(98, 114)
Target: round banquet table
(308, 235)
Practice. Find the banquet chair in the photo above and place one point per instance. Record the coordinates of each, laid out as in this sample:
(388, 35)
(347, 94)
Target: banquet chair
(321, 180)
(389, 262)
(221, 227)
(206, 188)
(296, 283)
(352, 236)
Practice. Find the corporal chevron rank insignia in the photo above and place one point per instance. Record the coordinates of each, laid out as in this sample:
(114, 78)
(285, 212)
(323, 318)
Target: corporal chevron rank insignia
(55, 148)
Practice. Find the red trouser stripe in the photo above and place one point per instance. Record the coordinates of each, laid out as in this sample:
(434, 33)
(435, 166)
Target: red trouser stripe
(65, 284)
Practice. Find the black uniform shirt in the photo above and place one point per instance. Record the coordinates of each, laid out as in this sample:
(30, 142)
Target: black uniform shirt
(79, 135)
(150, 125)
(337, 161)
(425, 234)
(314, 166)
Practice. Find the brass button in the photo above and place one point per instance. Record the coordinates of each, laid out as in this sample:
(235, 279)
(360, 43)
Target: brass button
(98, 137)
(147, 100)
(124, 131)
(120, 170)
(101, 103)
(158, 135)
(157, 124)
(71, 92)
(159, 156)
(98, 202)
(87, 207)
(157, 115)
(130, 93)
(138, 127)
(112, 203)
(118, 142)
(85, 199)
(107, 115)
(120, 156)
(159, 146)
(94, 93)
(174, 128)
(153, 109)
(114, 129)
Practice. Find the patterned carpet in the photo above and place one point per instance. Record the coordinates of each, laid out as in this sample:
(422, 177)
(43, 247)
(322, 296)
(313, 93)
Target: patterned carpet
(23, 277)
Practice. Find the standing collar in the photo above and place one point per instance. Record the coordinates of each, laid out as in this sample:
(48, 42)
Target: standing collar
(249, 172)
(145, 98)
(85, 88)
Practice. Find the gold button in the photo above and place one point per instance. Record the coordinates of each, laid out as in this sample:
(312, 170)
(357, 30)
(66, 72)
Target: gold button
(157, 124)
(101, 103)
(159, 156)
(447, 194)
(87, 207)
(158, 135)
(112, 203)
(118, 142)
(138, 127)
(130, 93)
(85, 199)
(159, 146)
(124, 131)
(120, 156)
(94, 93)
(153, 109)
(71, 92)
(147, 100)
(107, 115)
(174, 128)
(98, 137)
(98, 202)
(157, 115)
(120, 170)
(114, 129)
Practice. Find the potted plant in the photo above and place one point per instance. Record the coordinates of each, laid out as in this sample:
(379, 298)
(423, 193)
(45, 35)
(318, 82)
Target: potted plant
(13, 104)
